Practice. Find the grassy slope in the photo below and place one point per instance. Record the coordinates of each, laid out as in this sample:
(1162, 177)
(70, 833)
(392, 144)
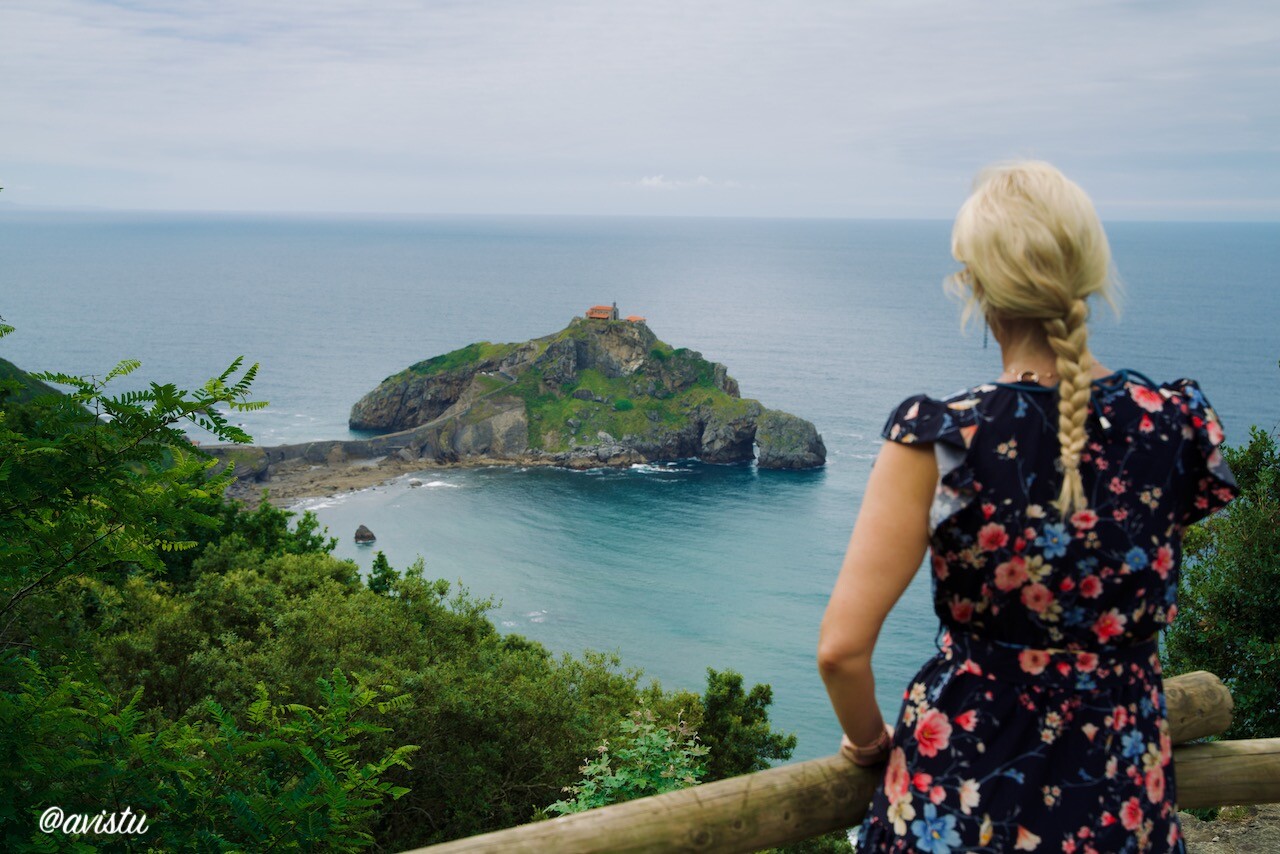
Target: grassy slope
(29, 387)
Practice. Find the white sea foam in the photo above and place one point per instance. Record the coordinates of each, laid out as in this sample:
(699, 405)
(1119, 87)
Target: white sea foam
(660, 468)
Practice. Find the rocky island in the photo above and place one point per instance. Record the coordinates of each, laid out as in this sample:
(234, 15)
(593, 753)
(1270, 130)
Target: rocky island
(602, 391)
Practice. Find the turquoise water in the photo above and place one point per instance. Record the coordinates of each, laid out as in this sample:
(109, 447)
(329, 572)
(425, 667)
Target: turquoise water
(677, 567)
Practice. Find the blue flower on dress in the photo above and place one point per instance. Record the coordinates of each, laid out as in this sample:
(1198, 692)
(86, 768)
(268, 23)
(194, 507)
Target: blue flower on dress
(938, 835)
(1085, 682)
(1054, 541)
(1134, 745)
(1136, 558)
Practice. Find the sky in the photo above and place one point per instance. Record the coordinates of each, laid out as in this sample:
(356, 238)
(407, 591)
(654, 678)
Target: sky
(1161, 109)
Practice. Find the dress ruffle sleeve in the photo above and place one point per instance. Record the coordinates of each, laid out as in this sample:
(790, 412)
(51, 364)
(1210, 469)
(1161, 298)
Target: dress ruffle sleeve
(949, 426)
(920, 419)
(1211, 483)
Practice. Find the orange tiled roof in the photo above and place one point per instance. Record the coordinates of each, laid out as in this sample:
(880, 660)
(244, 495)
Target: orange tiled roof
(600, 312)
(635, 318)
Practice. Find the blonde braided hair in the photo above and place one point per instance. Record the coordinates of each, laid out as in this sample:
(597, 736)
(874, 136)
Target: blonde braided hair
(1034, 250)
(1069, 339)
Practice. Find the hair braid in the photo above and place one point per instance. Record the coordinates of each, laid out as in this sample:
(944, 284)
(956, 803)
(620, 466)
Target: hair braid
(1068, 336)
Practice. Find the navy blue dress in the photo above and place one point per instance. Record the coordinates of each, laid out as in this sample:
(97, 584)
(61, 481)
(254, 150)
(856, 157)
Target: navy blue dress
(1040, 725)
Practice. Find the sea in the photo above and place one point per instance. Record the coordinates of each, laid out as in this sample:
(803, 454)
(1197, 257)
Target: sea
(677, 567)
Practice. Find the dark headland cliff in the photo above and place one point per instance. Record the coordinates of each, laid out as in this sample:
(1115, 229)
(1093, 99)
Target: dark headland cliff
(596, 393)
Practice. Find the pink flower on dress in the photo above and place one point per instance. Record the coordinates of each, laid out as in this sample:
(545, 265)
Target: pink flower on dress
(1146, 425)
(1086, 662)
(940, 568)
(933, 733)
(1214, 429)
(1084, 520)
(961, 610)
(921, 781)
(1012, 573)
(1033, 661)
(1109, 625)
(988, 510)
(992, 536)
(897, 781)
(1090, 586)
(1155, 784)
(967, 720)
(937, 794)
(1148, 398)
(1037, 597)
(1117, 485)
(1164, 561)
(1131, 814)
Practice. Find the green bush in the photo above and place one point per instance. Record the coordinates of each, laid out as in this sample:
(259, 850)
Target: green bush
(290, 779)
(643, 759)
(623, 404)
(143, 621)
(734, 725)
(1228, 622)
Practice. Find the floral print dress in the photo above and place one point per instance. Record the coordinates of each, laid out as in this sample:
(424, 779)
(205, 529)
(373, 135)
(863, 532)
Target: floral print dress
(1040, 724)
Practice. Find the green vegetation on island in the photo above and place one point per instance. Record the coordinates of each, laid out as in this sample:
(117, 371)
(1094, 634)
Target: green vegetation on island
(598, 392)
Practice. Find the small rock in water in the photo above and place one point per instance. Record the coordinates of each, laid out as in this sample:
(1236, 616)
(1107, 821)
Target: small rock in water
(364, 535)
(415, 483)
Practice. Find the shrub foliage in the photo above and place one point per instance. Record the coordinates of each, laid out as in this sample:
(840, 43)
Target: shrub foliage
(1228, 621)
(146, 627)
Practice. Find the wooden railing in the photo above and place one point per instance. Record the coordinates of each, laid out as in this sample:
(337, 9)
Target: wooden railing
(806, 799)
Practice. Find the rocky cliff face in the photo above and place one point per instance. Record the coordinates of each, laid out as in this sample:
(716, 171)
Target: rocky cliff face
(595, 393)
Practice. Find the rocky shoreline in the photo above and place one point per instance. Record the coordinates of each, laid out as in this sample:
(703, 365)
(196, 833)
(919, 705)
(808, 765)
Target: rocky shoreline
(299, 479)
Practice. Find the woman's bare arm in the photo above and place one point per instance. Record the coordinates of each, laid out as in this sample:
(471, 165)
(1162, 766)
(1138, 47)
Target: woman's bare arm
(887, 545)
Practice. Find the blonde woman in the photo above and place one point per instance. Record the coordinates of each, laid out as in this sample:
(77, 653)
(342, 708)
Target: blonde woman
(1053, 501)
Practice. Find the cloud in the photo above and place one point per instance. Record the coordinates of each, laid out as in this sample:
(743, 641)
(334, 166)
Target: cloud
(876, 108)
(662, 182)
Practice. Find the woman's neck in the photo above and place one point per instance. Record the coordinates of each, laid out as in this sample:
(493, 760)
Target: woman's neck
(1026, 356)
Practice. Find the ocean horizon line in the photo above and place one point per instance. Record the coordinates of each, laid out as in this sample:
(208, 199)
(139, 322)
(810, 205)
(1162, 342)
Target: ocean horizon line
(9, 208)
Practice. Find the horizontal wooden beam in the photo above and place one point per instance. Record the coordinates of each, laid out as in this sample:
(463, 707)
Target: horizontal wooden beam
(746, 813)
(806, 799)
(1225, 773)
